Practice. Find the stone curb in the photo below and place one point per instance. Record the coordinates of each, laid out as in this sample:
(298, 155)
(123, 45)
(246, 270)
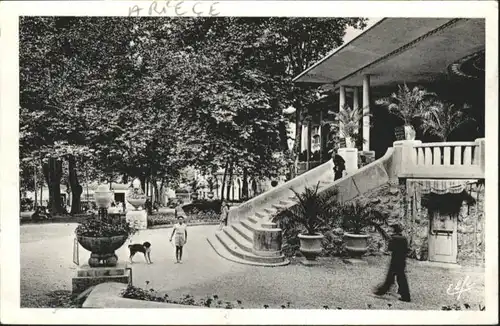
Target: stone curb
(108, 295)
(168, 226)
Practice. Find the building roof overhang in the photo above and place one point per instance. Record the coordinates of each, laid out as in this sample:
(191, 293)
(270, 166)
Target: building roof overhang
(397, 50)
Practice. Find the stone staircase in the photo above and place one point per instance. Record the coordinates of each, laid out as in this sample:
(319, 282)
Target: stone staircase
(236, 241)
(252, 238)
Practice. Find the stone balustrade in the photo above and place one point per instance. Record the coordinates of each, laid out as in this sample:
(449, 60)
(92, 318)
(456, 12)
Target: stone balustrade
(442, 160)
(307, 179)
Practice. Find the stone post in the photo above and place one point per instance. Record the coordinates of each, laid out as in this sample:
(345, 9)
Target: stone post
(479, 157)
(404, 157)
(267, 240)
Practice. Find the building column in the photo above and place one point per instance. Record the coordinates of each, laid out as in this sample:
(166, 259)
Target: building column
(366, 109)
(342, 103)
(355, 101)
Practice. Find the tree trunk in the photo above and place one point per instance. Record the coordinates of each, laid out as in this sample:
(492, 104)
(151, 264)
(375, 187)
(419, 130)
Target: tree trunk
(223, 182)
(76, 188)
(229, 183)
(143, 183)
(53, 172)
(35, 181)
(161, 193)
(156, 192)
(125, 178)
(244, 186)
(283, 137)
(298, 136)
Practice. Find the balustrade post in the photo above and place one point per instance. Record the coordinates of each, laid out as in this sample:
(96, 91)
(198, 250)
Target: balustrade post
(405, 155)
(480, 153)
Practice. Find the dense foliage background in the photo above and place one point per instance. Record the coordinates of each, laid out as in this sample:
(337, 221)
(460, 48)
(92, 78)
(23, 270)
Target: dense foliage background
(145, 97)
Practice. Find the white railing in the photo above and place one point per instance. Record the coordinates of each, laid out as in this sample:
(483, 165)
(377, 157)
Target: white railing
(443, 160)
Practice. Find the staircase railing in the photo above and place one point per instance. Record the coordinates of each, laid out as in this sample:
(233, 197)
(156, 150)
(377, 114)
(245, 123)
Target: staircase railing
(298, 183)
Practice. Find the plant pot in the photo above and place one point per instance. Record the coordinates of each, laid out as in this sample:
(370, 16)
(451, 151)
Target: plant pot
(274, 183)
(194, 195)
(103, 196)
(311, 246)
(102, 249)
(410, 132)
(137, 201)
(356, 244)
(349, 142)
(210, 195)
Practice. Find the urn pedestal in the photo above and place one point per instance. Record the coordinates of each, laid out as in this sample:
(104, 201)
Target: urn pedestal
(137, 219)
(87, 276)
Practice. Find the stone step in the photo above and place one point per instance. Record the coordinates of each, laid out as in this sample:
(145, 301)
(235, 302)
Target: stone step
(270, 211)
(239, 239)
(261, 214)
(253, 219)
(288, 203)
(243, 231)
(248, 225)
(221, 250)
(233, 248)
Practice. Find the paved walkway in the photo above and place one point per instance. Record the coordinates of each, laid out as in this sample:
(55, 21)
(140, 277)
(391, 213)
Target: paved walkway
(46, 265)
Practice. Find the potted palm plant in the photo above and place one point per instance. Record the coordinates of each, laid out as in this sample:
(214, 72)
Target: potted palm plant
(408, 105)
(356, 217)
(348, 120)
(442, 118)
(312, 212)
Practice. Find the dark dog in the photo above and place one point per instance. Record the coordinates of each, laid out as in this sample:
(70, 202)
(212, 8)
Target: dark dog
(145, 248)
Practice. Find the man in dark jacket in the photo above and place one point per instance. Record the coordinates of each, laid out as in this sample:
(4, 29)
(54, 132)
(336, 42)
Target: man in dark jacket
(339, 165)
(398, 245)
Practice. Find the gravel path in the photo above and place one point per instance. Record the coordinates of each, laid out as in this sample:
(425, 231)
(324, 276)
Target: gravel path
(46, 265)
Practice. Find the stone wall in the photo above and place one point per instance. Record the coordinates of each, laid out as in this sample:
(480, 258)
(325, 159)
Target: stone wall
(390, 201)
(468, 224)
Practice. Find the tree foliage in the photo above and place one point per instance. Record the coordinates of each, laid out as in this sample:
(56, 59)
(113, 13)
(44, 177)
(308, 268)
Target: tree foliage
(145, 97)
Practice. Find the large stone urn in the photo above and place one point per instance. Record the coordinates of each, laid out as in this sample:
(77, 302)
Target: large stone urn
(103, 196)
(356, 244)
(102, 249)
(137, 217)
(310, 246)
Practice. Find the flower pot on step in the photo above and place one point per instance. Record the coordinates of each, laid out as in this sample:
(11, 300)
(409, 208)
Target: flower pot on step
(310, 245)
(356, 244)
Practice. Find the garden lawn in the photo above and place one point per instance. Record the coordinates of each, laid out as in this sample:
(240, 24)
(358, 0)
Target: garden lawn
(46, 265)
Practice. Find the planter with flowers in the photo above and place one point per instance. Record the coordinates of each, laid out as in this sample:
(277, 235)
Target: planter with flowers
(100, 235)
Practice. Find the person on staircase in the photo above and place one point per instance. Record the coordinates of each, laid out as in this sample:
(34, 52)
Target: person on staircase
(224, 214)
(339, 165)
(398, 245)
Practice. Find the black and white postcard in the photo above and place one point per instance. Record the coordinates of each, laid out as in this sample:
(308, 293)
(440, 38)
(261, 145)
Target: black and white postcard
(249, 162)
